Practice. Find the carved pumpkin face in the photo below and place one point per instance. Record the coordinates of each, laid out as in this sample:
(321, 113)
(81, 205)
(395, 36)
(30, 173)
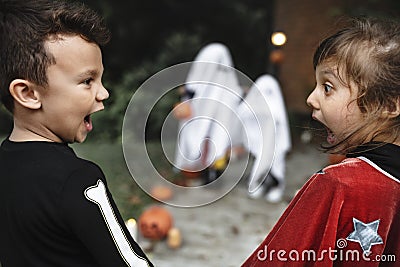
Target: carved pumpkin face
(155, 222)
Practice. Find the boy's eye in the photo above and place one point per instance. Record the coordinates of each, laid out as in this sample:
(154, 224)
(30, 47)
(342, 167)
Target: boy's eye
(327, 88)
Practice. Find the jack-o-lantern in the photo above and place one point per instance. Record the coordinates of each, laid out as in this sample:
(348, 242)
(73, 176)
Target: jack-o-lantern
(155, 222)
(182, 110)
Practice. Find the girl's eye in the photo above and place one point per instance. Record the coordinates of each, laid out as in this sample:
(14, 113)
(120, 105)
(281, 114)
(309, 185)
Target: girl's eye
(87, 81)
(327, 88)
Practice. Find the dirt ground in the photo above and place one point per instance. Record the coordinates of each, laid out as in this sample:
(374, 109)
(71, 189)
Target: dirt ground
(225, 233)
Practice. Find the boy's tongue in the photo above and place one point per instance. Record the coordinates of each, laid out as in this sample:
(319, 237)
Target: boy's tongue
(331, 138)
(88, 123)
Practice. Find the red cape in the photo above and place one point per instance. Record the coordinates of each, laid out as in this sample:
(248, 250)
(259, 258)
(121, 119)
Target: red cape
(346, 215)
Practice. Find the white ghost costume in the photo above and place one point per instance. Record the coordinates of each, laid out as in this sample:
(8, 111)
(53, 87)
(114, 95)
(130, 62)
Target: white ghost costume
(216, 95)
(275, 133)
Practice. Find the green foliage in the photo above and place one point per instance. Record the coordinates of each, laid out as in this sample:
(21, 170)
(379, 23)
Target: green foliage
(109, 122)
(142, 29)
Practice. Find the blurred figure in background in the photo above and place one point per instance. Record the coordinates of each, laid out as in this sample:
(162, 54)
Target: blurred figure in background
(213, 93)
(275, 137)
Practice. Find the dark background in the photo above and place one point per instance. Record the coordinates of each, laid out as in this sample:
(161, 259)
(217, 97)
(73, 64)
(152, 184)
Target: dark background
(148, 36)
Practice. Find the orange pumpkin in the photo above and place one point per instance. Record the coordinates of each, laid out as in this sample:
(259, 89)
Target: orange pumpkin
(155, 222)
(182, 111)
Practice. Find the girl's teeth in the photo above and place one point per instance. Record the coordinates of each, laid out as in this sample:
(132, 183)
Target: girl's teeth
(331, 139)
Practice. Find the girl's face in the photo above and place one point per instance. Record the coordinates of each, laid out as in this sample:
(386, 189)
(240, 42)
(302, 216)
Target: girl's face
(334, 103)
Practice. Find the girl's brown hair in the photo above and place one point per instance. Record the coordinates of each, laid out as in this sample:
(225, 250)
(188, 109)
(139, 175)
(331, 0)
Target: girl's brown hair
(367, 52)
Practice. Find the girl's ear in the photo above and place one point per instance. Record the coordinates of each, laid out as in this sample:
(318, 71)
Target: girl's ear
(396, 113)
(393, 113)
(25, 93)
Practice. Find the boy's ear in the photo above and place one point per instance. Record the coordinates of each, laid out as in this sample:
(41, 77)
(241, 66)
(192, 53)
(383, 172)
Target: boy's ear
(25, 93)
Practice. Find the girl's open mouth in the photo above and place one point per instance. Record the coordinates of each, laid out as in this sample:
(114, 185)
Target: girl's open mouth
(88, 123)
(331, 138)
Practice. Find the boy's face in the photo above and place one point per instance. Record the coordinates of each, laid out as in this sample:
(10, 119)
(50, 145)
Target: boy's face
(334, 104)
(74, 89)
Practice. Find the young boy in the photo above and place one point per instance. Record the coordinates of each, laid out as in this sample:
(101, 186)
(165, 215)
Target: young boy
(55, 208)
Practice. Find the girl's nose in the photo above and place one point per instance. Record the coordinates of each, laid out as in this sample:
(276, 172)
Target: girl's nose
(312, 101)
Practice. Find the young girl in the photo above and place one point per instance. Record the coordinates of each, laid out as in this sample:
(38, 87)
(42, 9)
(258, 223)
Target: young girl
(348, 214)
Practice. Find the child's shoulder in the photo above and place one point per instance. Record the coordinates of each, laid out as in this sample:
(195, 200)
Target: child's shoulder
(75, 172)
(345, 166)
(357, 172)
(73, 164)
(48, 158)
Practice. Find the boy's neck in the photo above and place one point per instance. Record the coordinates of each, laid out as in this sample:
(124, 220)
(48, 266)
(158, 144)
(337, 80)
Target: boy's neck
(19, 134)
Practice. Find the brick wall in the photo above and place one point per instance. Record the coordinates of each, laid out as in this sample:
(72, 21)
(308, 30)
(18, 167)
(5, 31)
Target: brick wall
(305, 23)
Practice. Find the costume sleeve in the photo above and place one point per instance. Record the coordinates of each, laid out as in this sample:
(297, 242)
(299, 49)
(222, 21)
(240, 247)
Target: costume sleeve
(307, 227)
(96, 222)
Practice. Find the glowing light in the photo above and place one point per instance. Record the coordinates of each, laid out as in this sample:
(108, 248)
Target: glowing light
(131, 222)
(132, 228)
(278, 38)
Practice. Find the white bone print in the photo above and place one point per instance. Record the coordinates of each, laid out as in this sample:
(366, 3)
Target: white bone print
(98, 195)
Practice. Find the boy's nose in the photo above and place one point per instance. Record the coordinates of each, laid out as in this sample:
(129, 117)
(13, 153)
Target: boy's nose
(102, 94)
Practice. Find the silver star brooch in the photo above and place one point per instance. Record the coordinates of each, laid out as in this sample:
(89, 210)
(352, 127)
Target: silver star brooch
(366, 234)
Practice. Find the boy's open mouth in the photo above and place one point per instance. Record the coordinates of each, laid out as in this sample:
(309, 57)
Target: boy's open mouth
(88, 123)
